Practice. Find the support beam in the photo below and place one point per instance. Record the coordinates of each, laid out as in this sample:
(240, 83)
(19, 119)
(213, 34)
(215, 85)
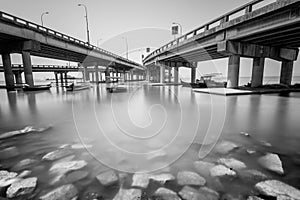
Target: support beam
(176, 74)
(66, 78)
(56, 77)
(107, 73)
(257, 72)
(61, 79)
(169, 73)
(162, 73)
(193, 72)
(8, 74)
(286, 72)
(27, 68)
(97, 73)
(86, 74)
(18, 77)
(233, 71)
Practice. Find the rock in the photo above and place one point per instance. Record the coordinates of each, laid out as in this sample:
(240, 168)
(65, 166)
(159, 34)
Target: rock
(162, 178)
(21, 187)
(24, 174)
(271, 162)
(140, 180)
(107, 178)
(69, 178)
(57, 154)
(65, 159)
(209, 194)
(232, 197)
(225, 147)
(232, 163)
(6, 135)
(7, 175)
(221, 170)
(278, 189)
(128, 194)
(165, 194)
(81, 146)
(254, 198)
(245, 134)
(250, 151)
(190, 178)
(203, 167)
(24, 164)
(65, 167)
(65, 192)
(9, 152)
(189, 193)
(266, 144)
(252, 175)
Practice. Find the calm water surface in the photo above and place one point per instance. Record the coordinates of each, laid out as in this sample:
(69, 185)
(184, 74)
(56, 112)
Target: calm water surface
(152, 129)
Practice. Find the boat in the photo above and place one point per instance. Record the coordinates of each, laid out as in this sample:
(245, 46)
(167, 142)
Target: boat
(206, 81)
(116, 85)
(78, 86)
(36, 87)
(193, 85)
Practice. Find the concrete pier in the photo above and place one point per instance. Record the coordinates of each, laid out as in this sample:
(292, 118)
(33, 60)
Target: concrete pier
(18, 77)
(257, 72)
(56, 77)
(61, 79)
(66, 78)
(8, 74)
(162, 73)
(233, 71)
(176, 74)
(169, 74)
(27, 68)
(97, 73)
(193, 73)
(286, 72)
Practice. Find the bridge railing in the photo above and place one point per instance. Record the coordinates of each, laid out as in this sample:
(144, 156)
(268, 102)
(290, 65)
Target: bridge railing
(240, 11)
(36, 27)
(20, 66)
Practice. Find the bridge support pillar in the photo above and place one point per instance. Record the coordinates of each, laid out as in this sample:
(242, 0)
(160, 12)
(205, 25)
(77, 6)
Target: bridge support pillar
(97, 73)
(107, 73)
(257, 72)
(18, 77)
(86, 74)
(286, 72)
(27, 68)
(56, 77)
(162, 73)
(233, 71)
(193, 73)
(176, 74)
(61, 79)
(169, 74)
(66, 78)
(8, 74)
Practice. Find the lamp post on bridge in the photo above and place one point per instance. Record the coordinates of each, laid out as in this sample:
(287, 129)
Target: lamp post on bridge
(87, 22)
(174, 24)
(126, 46)
(42, 15)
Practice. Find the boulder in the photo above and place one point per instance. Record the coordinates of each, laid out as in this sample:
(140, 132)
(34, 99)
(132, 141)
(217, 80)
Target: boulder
(189, 193)
(254, 198)
(165, 194)
(69, 178)
(6, 135)
(140, 180)
(24, 164)
(81, 146)
(232, 163)
(65, 167)
(250, 151)
(271, 162)
(107, 178)
(203, 167)
(57, 154)
(225, 147)
(65, 192)
(24, 174)
(252, 175)
(21, 187)
(128, 194)
(162, 178)
(7, 175)
(190, 178)
(278, 189)
(221, 170)
(208, 193)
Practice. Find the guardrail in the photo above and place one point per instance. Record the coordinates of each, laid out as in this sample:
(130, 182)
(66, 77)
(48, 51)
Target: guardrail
(247, 8)
(19, 66)
(36, 27)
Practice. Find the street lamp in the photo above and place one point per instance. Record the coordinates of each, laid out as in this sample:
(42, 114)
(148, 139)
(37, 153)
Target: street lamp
(126, 46)
(174, 23)
(44, 13)
(87, 22)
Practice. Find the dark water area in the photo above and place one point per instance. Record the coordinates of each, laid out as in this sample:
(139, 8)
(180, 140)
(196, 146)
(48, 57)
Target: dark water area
(151, 129)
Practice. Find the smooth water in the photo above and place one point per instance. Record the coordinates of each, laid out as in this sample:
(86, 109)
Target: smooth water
(151, 129)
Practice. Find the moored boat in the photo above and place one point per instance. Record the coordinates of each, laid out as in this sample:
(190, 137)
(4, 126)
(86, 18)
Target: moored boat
(78, 86)
(36, 87)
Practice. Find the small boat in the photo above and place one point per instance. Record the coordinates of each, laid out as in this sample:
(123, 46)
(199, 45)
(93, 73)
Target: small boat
(118, 87)
(78, 86)
(206, 81)
(36, 87)
(193, 85)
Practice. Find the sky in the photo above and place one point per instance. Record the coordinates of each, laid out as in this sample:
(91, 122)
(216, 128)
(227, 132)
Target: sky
(143, 23)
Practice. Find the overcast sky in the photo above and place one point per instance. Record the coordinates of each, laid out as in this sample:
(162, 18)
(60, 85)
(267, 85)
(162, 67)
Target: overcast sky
(145, 23)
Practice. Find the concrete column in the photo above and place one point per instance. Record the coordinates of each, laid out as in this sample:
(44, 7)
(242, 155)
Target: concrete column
(107, 73)
(286, 72)
(8, 74)
(86, 74)
(56, 77)
(131, 75)
(169, 73)
(27, 68)
(61, 79)
(233, 71)
(93, 76)
(18, 77)
(66, 78)
(176, 74)
(257, 72)
(97, 73)
(193, 74)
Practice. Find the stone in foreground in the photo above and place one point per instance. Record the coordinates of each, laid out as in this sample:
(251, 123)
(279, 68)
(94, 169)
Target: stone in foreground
(278, 189)
(189, 193)
(21, 187)
(209, 194)
(57, 154)
(140, 180)
(232, 163)
(190, 178)
(24, 164)
(107, 178)
(128, 194)
(225, 147)
(203, 167)
(252, 175)
(271, 162)
(65, 192)
(221, 170)
(166, 194)
(162, 178)
(65, 167)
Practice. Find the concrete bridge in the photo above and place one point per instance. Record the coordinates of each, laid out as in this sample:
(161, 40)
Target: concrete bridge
(21, 36)
(254, 30)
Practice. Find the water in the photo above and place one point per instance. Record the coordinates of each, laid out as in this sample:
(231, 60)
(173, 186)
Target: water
(151, 129)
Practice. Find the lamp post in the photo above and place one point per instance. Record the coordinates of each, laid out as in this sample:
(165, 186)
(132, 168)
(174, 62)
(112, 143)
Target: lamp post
(126, 46)
(174, 23)
(42, 15)
(87, 22)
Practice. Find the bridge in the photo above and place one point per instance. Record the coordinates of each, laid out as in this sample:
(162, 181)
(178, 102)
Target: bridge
(27, 38)
(254, 30)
